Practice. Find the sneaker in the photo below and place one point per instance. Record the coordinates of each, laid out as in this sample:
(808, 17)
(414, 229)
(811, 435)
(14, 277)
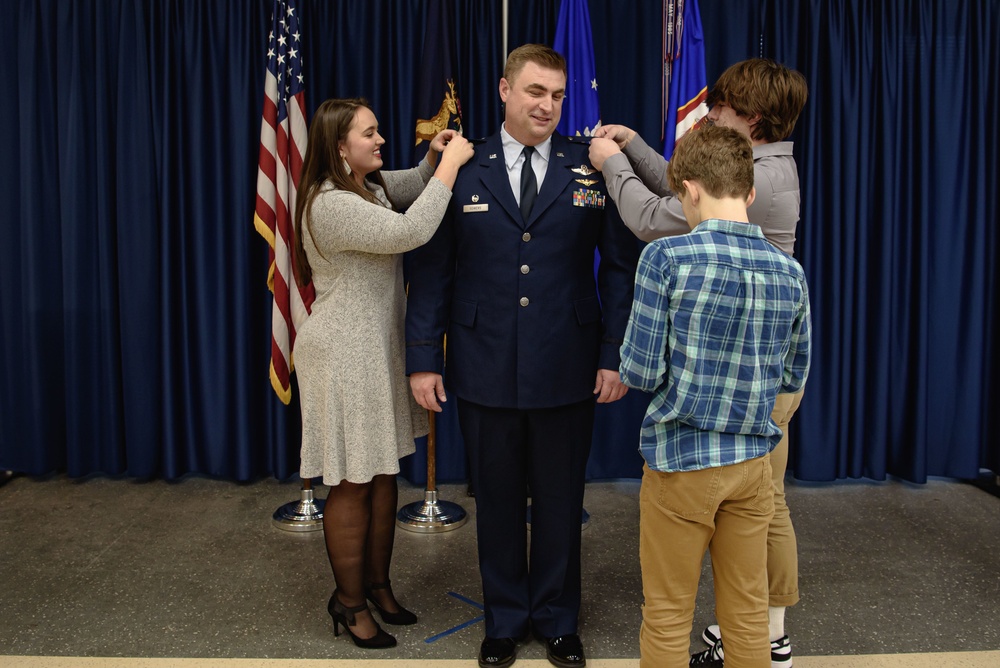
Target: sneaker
(781, 653)
(711, 635)
(781, 650)
(713, 656)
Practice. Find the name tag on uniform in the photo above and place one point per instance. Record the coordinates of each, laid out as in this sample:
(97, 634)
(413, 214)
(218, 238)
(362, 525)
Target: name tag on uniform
(592, 199)
(474, 208)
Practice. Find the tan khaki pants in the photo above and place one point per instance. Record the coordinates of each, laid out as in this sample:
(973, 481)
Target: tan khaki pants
(782, 550)
(726, 510)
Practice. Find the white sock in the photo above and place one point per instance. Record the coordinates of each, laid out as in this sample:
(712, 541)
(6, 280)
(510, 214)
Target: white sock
(776, 622)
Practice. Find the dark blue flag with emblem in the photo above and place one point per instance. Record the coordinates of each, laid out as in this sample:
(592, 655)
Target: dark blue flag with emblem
(580, 111)
(437, 103)
(684, 71)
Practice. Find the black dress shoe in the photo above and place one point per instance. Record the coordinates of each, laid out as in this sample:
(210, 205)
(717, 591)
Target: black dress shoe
(565, 651)
(497, 652)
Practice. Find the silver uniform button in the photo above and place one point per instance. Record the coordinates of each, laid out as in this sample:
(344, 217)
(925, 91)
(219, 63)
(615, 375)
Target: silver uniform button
(526, 236)
(524, 269)
(524, 301)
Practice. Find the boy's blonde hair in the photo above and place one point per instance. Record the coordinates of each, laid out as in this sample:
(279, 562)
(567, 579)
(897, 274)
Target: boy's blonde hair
(717, 157)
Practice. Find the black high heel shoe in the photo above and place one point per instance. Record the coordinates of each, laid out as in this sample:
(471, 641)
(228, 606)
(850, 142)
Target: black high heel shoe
(344, 616)
(402, 618)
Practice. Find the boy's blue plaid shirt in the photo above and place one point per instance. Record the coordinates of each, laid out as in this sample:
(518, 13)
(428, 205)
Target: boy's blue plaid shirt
(720, 324)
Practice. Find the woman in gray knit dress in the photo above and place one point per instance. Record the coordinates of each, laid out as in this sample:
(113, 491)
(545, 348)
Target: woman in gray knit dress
(358, 415)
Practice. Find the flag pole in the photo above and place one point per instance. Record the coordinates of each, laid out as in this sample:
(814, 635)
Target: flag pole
(437, 89)
(283, 139)
(431, 515)
(306, 514)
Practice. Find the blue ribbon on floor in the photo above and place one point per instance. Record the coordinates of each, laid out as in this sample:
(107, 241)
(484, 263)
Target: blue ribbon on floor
(478, 606)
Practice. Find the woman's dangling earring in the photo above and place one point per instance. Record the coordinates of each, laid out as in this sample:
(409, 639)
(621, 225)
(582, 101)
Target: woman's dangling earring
(347, 167)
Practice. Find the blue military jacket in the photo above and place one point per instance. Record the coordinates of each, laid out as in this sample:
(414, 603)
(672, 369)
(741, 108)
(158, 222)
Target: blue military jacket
(527, 323)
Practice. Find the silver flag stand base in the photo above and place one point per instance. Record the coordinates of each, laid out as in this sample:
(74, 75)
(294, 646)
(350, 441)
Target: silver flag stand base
(431, 515)
(306, 514)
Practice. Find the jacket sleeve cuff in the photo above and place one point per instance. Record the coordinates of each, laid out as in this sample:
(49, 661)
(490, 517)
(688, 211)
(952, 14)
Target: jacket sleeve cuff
(424, 357)
(610, 357)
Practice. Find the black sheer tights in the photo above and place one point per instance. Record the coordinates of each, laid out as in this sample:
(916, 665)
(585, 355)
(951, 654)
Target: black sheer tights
(359, 524)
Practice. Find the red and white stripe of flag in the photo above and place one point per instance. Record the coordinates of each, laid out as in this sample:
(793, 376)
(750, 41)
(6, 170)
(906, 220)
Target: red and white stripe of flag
(282, 145)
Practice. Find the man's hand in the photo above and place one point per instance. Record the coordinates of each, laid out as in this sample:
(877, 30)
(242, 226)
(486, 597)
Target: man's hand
(609, 386)
(428, 390)
(601, 150)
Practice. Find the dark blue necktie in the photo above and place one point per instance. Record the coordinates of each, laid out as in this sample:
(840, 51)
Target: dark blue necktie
(529, 186)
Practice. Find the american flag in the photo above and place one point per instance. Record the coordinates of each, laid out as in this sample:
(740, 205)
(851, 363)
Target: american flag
(282, 145)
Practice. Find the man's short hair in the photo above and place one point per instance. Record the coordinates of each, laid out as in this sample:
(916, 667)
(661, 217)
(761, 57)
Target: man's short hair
(762, 86)
(539, 54)
(717, 157)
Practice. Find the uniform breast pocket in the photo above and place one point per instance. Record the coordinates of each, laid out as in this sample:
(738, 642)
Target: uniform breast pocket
(463, 312)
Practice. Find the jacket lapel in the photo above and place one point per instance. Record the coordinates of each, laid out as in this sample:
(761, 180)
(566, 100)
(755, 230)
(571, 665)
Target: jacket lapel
(557, 176)
(493, 173)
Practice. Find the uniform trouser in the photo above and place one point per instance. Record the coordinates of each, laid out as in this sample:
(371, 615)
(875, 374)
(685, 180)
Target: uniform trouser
(782, 550)
(726, 510)
(509, 451)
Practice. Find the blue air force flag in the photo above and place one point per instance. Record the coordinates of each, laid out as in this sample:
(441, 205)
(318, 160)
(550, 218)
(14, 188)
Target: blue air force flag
(580, 114)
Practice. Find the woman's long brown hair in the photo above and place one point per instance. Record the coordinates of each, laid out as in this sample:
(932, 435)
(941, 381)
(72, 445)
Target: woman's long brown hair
(322, 163)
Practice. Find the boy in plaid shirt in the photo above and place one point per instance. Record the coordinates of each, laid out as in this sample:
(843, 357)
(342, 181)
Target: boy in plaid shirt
(719, 325)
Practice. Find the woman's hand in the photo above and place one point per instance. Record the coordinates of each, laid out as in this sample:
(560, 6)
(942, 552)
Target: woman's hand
(442, 138)
(601, 150)
(619, 134)
(458, 152)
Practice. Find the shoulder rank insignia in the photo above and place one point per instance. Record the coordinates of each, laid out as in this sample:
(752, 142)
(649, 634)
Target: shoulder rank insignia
(583, 170)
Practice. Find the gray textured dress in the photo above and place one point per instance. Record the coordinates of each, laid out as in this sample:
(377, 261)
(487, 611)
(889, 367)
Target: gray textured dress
(358, 415)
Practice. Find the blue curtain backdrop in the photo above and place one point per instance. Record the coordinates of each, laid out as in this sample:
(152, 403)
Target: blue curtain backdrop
(134, 317)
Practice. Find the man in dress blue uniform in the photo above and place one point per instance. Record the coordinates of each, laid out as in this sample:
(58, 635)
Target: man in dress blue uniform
(532, 344)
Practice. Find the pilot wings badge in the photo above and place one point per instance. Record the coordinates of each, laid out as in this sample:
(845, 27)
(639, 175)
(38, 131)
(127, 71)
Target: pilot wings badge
(583, 170)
